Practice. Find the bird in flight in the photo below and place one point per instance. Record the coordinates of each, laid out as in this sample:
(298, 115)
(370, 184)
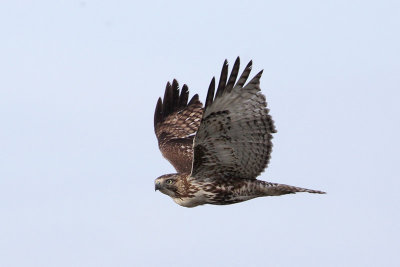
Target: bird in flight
(217, 150)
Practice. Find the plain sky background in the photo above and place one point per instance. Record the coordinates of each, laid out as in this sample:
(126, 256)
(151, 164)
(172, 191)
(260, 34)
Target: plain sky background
(78, 156)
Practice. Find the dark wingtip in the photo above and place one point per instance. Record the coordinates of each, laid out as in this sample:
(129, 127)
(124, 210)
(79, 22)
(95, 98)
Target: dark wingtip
(185, 89)
(256, 79)
(233, 76)
(222, 79)
(194, 99)
(175, 84)
(237, 61)
(158, 115)
(183, 99)
(174, 100)
(210, 93)
(246, 72)
(167, 99)
(249, 66)
(175, 95)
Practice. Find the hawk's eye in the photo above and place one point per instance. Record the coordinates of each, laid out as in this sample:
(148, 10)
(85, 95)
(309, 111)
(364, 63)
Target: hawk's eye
(169, 181)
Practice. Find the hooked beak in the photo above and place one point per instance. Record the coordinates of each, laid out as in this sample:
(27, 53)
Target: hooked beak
(157, 186)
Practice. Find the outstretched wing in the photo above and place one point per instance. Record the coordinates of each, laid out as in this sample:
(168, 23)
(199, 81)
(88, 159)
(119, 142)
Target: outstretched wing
(175, 123)
(234, 137)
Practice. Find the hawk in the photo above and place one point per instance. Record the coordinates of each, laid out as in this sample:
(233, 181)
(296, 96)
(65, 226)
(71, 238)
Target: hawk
(217, 150)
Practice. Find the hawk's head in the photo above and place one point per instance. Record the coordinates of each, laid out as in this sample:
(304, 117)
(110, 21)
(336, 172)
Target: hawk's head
(168, 184)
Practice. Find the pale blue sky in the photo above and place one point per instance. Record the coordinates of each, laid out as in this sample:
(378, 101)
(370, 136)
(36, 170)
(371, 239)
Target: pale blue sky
(78, 156)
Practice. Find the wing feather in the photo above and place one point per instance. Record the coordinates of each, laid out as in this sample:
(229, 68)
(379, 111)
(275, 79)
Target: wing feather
(222, 79)
(210, 93)
(233, 76)
(175, 123)
(243, 78)
(234, 137)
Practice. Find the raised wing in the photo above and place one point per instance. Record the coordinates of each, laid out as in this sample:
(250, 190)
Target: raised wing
(175, 123)
(234, 137)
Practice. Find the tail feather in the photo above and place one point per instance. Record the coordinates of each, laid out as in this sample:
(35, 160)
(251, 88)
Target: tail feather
(274, 189)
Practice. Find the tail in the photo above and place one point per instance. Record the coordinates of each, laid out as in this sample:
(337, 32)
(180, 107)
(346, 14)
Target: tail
(273, 189)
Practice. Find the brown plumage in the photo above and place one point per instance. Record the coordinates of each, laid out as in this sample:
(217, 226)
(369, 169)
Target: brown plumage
(219, 150)
(175, 123)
